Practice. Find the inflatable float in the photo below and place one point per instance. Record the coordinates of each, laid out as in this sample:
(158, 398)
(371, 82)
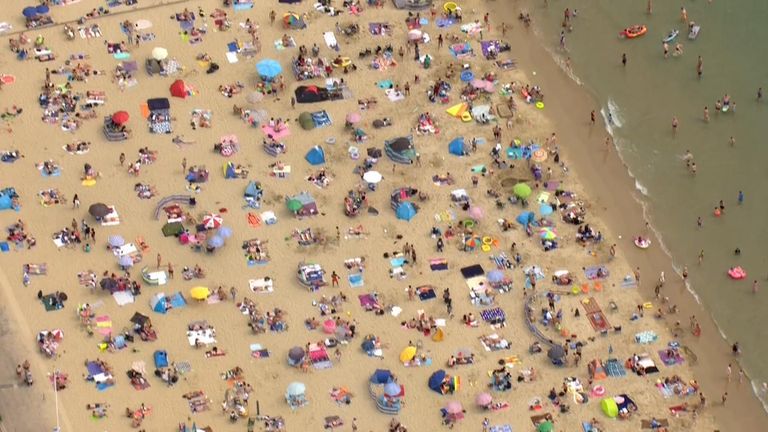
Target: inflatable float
(634, 31)
(671, 36)
(642, 243)
(737, 273)
(342, 62)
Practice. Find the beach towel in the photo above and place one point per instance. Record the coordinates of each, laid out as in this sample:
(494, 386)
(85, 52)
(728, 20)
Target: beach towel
(668, 360)
(205, 337)
(330, 40)
(261, 286)
(275, 135)
(586, 426)
(258, 352)
(393, 95)
(321, 118)
(385, 84)
(318, 355)
(123, 298)
(438, 264)
(368, 301)
(591, 272)
(614, 368)
(595, 315)
(397, 262)
(629, 282)
(426, 293)
(646, 337)
(445, 22)
(50, 303)
(493, 316)
(355, 280)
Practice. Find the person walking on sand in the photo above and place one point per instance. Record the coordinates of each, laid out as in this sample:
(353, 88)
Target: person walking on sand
(754, 287)
(334, 279)
(706, 114)
(233, 293)
(76, 202)
(649, 9)
(636, 273)
(624, 59)
(592, 117)
(701, 256)
(740, 197)
(170, 270)
(675, 124)
(728, 371)
(159, 260)
(184, 165)
(759, 94)
(122, 159)
(724, 398)
(683, 15)
(699, 66)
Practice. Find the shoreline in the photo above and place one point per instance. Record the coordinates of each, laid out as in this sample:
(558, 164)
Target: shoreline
(623, 213)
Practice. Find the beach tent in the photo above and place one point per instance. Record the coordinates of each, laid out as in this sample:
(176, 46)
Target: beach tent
(401, 150)
(315, 156)
(296, 355)
(546, 426)
(382, 376)
(609, 407)
(456, 147)
(293, 20)
(405, 211)
(295, 389)
(306, 121)
(311, 94)
(159, 303)
(230, 171)
(179, 89)
(6, 199)
(393, 390)
(556, 355)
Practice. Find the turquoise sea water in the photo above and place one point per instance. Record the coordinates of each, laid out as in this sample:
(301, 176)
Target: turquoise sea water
(644, 96)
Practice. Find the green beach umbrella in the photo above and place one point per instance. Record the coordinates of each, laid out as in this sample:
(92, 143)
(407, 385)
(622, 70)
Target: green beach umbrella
(522, 190)
(547, 426)
(294, 205)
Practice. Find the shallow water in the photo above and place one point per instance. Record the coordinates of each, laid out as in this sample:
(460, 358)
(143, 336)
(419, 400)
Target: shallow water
(642, 99)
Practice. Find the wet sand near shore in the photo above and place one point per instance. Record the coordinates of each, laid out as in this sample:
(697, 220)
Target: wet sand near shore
(616, 202)
(271, 376)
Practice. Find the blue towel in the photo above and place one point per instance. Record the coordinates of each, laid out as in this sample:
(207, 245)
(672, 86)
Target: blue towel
(385, 84)
(4, 247)
(356, 280)
(397, 262)
(232, 47)
(501, 428)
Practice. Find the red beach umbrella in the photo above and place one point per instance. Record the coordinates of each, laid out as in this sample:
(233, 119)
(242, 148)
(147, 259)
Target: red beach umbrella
(120, 117)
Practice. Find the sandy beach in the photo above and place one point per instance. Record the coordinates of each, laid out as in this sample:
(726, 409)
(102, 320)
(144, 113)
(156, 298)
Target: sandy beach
(603, 329)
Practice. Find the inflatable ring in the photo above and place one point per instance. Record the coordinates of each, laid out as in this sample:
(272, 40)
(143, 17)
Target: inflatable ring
(517, 141)
(540, 105)
(89, 182)
(485, 248)
(575, 290)
(644, 244)
(487, 240)
(468, 223)
(598, 390)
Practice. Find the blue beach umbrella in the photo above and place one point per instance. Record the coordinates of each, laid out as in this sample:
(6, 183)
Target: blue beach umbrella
(436, 380)
(467, 76)
(42, 9)
(545, 210)
(225, 232)
(29, 12)
(216, 242)
(495, 276)
(392, 389)
(268, 68)
(116, 240)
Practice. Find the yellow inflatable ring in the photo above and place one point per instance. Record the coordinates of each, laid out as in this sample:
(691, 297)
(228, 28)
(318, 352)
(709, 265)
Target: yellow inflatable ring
(485, 248)
(487, 240)
(540, 105)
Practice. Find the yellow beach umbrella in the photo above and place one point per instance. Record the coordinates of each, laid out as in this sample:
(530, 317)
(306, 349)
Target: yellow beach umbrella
(408, 354)
(450, 6)
(200, 293)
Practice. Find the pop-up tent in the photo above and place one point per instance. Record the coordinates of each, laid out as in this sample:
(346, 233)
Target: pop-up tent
(401, 150)
(456, 147)
(180, 89)
(159, 303)
(7, 197)
(306, 121)
(315, 156)
(293, 20)
(405, 211)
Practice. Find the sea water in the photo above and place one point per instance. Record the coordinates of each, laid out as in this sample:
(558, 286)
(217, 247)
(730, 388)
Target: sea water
(642, 99)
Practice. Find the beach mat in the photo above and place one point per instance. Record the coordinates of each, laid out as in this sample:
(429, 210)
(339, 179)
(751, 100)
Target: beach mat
(614, 368)
(595, 315)
(48, 303)
(500, 428)
(646, 424)
(356, 280)
(671, 361)
(426, 293)
(438, 264)
(591, 272)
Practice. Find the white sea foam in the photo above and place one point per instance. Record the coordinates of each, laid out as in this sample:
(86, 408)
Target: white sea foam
(560, 60)
(761, 391)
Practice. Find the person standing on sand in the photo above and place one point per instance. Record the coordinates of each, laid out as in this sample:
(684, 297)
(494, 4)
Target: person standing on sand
(728, 371)
(732, 141)
(759, 94)
(706, 114)
(724, 397)
(683, 15)
(122, 159)
(592, 117)
(637, 275)
(76, 202)
(649, 9)
(184, 165)
(675, 124)
(159, 260)
(699, 222)
(170, 270)
(754, 287)
(701, 256)
(699, 66)
(740, 197)
(624, 59)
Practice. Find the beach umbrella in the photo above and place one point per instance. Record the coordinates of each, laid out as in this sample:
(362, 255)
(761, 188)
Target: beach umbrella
(522, 190)
(199, 293)
(381, 376)
(405, 211)
(212, 221)
(467, 76)
(125, 261)
(306, 121)
(450, 6)
(556, 352)
(29, 12)
(268, 68)
(216, 242)
(436, 380)
(495, 276)
(454, 407)
(296, 354)
(476, 212)
(42, 9)
(296, 389)
(415, 35)
(120, 117)
(393, 389)
(353, 117)
(225, 232)
(539, 155)
(547, 426)
(116, 240)
(408, 354)
(526, 218)
(369, 344)
(372, 177)
(329, 326)
(483, 399)
(98, 210)
(545, 209)
(547, 234)
(255, 97)
(159, 53)
(294, 205)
